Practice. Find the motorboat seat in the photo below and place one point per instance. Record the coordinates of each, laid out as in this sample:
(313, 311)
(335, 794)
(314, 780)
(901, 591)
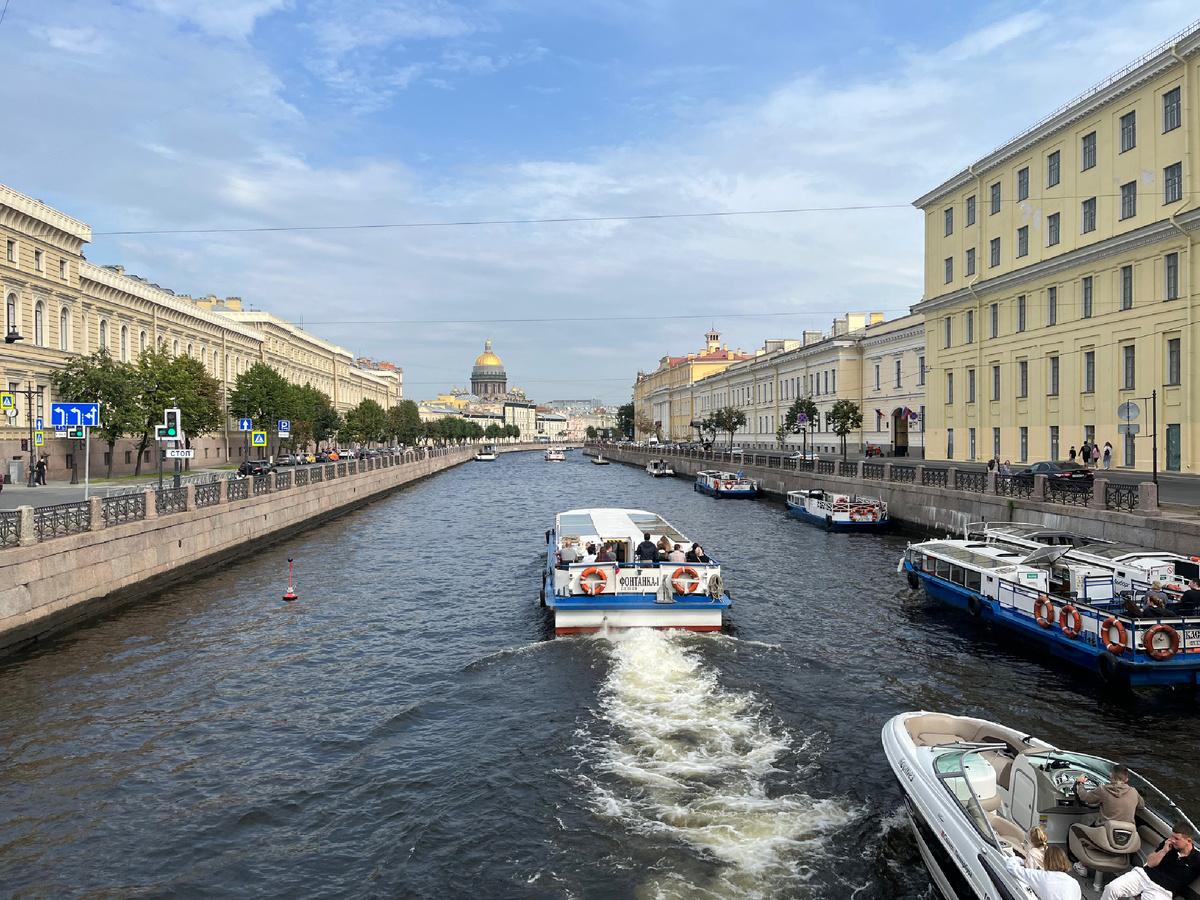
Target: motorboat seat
(1105, 848)
(1002, 763)
(934, 729)
(1007, 831)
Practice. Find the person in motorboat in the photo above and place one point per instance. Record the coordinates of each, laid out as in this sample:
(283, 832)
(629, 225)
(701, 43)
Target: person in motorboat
(1170, 868)
(696, 555)
(1035, 848)
(1052, 882)
(677, 555)
(1190, 599)
(1119, 801)
(646, 551)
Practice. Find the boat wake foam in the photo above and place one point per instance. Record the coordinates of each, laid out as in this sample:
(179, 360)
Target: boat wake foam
(688, 761)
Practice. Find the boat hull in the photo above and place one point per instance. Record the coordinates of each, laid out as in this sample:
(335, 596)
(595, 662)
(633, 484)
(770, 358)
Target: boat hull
(834, 524)
(735, 493)
(591, 621)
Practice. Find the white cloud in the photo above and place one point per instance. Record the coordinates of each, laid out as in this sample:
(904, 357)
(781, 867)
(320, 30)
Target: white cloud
(223, 18)
(86, 41)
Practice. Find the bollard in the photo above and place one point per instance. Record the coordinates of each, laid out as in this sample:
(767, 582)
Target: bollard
(1099, 494)
(1148, 499)
(151, 507)
(97, 513)
(1039, 488)
(28, 531)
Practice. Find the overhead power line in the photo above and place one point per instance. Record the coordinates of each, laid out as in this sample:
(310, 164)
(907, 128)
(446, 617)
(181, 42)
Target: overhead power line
(575, 320)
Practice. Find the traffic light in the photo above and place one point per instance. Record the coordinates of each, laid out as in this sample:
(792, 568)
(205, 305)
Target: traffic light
(171, 422)
(76, 432)
(24, 445)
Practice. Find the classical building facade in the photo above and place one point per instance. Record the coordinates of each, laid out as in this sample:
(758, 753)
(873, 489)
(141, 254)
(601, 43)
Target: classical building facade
(1060, 280)
(487, 375)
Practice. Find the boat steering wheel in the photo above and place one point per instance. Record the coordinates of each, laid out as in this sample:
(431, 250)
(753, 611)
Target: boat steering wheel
(1064, 780)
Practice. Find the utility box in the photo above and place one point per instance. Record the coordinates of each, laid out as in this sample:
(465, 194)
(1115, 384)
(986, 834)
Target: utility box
(16, 471)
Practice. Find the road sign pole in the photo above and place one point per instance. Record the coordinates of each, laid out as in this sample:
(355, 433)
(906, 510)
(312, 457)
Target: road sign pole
(29, 399)
(1154, 426)
(160, 459)
(87, 458)
(177, 473)
(75, 464)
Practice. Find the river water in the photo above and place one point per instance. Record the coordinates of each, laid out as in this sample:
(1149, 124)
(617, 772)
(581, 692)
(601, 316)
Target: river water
(408, 728)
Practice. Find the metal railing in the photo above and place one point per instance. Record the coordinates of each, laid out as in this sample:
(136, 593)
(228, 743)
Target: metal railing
(130, 508)
(1069, 492)
(904, 474)
(237, 490)
(283, 481)
(874, 471)
(826, 466)
(934, 477)
(1019, 486)
(1122, 496)
(351, 467)
(62, 519)
(10, 528)
(970, 481)
(301, 478)
(208, 494)
(316, 474)
(262, 485)
(170, 500)
(341, 470)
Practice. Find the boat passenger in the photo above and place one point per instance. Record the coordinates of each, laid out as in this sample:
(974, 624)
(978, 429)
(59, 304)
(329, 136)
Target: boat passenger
(1156, 600)
(677, 555)
(1168, 870)
(664, 547)
(696, 555)
(1190, 599)
(1052, 883)
(568, 553)
(589, 558)
(1119, 802)
(646, 551)
(1035, 848)
(606, 554)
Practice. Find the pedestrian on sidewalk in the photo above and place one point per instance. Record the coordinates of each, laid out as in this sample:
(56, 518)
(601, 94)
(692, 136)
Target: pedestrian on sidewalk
(1072, 455)
(1085, 454)
(1096, 455)
(1107, 454)
(40, 470)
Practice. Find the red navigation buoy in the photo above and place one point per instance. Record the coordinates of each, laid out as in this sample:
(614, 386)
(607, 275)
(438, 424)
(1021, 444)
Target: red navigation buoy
(291, 594)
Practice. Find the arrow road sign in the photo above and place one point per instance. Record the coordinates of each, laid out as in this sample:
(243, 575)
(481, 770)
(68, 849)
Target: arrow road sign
(181, 454)
(258, 439)
(1127, 412)
(285, 426)
(65, 414)
(245, 425)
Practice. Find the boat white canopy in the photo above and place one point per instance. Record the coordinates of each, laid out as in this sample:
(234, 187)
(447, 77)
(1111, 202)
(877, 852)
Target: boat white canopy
(608, 524)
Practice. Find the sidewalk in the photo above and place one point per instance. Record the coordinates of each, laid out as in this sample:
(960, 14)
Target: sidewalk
(14, 495)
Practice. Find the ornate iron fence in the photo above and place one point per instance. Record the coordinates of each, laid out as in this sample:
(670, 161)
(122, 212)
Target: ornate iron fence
(1072, 493)
(934, 477)
(10, 528)
(170, 500)
(341, 470)
(351, 467)
(129, 508)
(330, 471)
(316, 474)
(873, 471)
(262, 485)
(825, 466)
(237, 489)
(208, 494)
(1122, 496)
(301, 477)
(61, 519)
(804, 465)
(970, 481)
(904, 474)
(283, 481)
(1020, 486)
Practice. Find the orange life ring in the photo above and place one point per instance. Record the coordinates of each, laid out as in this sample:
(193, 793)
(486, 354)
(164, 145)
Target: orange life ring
(1076, 621)
(729, 485)
(864, 514)
(1043, 602)
(1175, 587)
(691, 573)
(588, 573)
(1161, 653)
(1106, 628)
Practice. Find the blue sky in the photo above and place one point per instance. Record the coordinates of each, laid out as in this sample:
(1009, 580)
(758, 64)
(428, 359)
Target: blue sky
(173, 114)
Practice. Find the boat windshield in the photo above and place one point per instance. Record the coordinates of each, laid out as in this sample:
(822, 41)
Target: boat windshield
(957, 768)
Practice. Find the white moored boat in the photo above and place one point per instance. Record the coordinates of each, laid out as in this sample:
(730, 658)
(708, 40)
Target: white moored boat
(625, 593)
(555, 454)
(487, 453)
(974, 788)
(839, 512)
(725, 484)
(659, 468)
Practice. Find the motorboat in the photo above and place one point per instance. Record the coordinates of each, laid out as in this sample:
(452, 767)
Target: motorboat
(555, 454)
(659, 468)
(626, 593)
(487, 453)
(839, 512)
(725, 484)
(974, 788)
(1067, 606)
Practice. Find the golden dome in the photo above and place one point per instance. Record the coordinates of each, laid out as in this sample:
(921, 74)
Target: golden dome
(488, 358)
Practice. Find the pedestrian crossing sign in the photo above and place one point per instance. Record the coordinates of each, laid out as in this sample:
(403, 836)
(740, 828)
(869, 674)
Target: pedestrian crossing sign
(8, 401)
(258, 439)
(39, 439)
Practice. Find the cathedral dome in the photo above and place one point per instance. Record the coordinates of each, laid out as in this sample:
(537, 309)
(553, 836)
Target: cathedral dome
(487, 375)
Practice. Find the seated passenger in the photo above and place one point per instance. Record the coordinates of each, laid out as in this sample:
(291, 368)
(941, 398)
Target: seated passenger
(1168, 870)
(646, 551)
(1035, 849)
(1118, 801)
(606, 554)
(677, 555)
(568, 553)
(589, 558)
(1190, 599)
(664, 547)
(696, 555)
(1156, 601)
(1051, 883)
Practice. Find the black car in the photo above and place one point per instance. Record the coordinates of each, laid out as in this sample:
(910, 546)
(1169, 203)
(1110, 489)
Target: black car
(1068, 471)
(256, 467)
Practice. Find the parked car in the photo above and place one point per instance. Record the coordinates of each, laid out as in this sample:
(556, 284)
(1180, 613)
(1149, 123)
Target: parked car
(1068, 471)
(255, 467)
(323, 457)
(287, 460)
(800, 454)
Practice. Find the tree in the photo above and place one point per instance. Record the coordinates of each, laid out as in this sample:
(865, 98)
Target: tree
(729, 419)
(591, 433)
(512, 431)
(164, 381)
(625, 415)
(845, 417)
(313, 416)
(404, 422)
(642, 425)
(795, 425)
(366, 423)
(710, 426)
(101, 379)
(493, 432)
(262, 395)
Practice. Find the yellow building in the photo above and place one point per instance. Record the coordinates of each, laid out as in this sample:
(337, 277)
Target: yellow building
(1059, 278)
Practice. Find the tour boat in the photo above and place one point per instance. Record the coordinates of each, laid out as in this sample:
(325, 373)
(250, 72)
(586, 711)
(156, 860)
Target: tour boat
(591, 597)
(487, 453)
(659, 468)
(555, 454)
(974, 788)
(1066, 606)
(599, 461)
(838, 512)
(725, 484)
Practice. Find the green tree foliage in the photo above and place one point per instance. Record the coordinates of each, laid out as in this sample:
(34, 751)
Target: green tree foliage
(791, 421)
(366, 423)
(591, 433)
(404, 422)
(710, 426)
(729, 419)
(493, 432)
(101, 379)
(312, 414)
(262, 395)
(512, 431)
(845, 417)
(163, 381)
(625, 420)
(643, 425)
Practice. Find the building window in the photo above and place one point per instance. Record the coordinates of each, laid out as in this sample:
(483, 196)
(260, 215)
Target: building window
(1085, 311)
(971, 210)
(39, 261)
(1128, 372)
(877, 376)
(1054, 442)
(970, 385)
(64, 326)
(1052, 169)
(63, 271)
(11, 312)
(1129, 451)
(898, 382)
(40, 399)
(175, 348)
(994, 248)
(142, 343)
(949, 443)
(970, 443)
(1173, 183)
(11, 251)
(1173, 373)
(124, 343)
(996, 442)
(1089, 433)
(1052, 389)
(1126, 287)
(995, 198)
(970, 326)
(1023, 183)
(949, 387)
(1128, 131)
(1129, 200)
(949, 269)
(948, 330)
(1024, 433)
(1087, 152)
(1089, 372)
(1021, 313)
(948, 221)
(1052, 306)
(920, 371)
(1023, 241)
(1087, 215)
(1052, 230)
(1171, 265)
(995, 382)
(995, 320)
(970, 260)
(103, 335)
(1171, 110)
(39, 324)
(1023, 378)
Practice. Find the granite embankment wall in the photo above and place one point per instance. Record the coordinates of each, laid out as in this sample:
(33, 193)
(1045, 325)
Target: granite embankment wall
(77, 560)
(941, 500)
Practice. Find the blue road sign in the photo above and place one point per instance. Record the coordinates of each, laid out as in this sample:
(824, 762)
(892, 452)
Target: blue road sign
(285, 425)
(64, 414)
(39, 439)
(245, 425)
(37, 424)
(258, 438)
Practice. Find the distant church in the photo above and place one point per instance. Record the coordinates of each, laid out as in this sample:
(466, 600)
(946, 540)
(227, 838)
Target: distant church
(487, 375)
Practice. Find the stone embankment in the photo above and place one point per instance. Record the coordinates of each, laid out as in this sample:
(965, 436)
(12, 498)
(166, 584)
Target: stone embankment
(62, 564)
(942, 499)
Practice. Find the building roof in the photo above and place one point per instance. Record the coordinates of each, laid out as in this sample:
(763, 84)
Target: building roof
(487, 357)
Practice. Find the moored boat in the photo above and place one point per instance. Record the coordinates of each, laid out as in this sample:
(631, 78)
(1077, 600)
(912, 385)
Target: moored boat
(974, 788)
(624, 593)
(487, 453)
(659, 468)
(725, 484)
(839, 512)
(1066, 606)
(599, 460)
(555, 454)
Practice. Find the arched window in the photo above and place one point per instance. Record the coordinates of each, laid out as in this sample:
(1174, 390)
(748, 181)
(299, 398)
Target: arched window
(64, 328)
(124, 344)
(175, 348)
(83, 332)
(103, 335)
(143, 342)
(11, 313)
(189, 351)
(39, 324)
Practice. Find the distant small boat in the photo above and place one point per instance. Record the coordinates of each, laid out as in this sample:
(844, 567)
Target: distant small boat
(599, 461)
(555, 454)
(659, 468)
(487, 453)
(838, 512)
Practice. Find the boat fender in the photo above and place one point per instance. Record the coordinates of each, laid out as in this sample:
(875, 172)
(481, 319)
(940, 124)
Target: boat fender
(913, 581)
(828, 522)
(1076, 626)
(693, 583)
(1043, 611)
(1110, 667)
(1161, 653)
(547, 536)
(1118, 647)
(974, 606)
(598, 587)
(716, 587)
(542, 596)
